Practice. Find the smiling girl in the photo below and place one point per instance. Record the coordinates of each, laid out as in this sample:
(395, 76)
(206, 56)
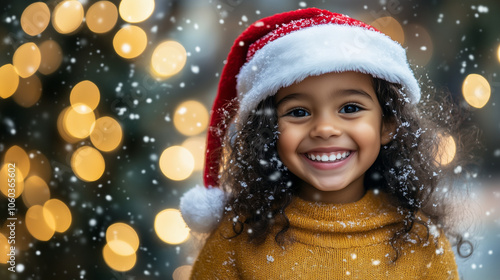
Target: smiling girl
(320, 163)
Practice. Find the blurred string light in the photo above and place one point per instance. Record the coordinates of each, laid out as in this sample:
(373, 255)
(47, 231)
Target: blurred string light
(78, 121)
(4, 249)
(191, 118)
(176, 163)
(168, 59)
(86, 93)
(17, 155)
(476, 90)
(59, 211)
(28, 92)
(498, 53)
(9, 80)
(122, 243)
(196, 145)
(40, 226)
(27, 59)
(52, 57)
(134, 11)
(67, 16)
(101, 17)
(130, 41)
(446, 149)
(5, 176)
(390, 27)
(87, 163)
(35, 18)
(107, 134)
(36, 191)
(170, 227)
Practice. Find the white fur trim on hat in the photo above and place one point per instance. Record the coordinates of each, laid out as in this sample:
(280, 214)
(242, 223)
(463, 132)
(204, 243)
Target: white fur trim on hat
(322, 49)
(202, 208)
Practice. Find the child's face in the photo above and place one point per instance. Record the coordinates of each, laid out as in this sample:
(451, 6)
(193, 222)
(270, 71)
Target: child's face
(331, 131)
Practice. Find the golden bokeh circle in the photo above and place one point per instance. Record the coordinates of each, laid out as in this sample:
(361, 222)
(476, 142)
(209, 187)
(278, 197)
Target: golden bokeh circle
(182, 272)
(85, 92)
(35, 18)
(191, 118)
(134, 11)
(130, 41)
(101, 17)
(51, 57)
(67, 16)
(4, 249)
(446, 149)
(28, 92)
(17, 155)
(87, 164)
(176, 163)
(107, 134)
(168, 59)
(196, 145)
(27, 59)
(78, 121)
(36, 191)
(170, 227)
(39, 226)
(6, 181)
(124, 233)
(9, 79)
(118, 262)
(390, 27)
(476, 90)
(61, 129)
(59, 211)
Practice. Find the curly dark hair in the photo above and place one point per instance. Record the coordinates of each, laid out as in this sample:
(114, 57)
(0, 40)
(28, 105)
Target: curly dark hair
(261, 187)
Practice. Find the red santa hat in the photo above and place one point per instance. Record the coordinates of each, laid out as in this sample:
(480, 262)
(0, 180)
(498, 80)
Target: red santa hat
(277, 52)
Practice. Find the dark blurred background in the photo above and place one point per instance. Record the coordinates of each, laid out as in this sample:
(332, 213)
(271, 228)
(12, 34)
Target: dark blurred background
(142, 176)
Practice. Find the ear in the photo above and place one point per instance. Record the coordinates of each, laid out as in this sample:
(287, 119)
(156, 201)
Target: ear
(388, 130)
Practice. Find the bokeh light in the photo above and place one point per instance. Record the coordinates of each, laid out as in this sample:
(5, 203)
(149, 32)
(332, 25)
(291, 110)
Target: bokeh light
(9, 80)
(134, 11)
(118, 262)
(446, 149)
(130, 41)
(78, 121)
(52, 57)
(476, 90)
(4, 249)
(39, 165)
(67, 16)
(58, 211)
(36, 191)
(390, 27)
(106, 134)
(170, 227)
(27, 59)
(5, 184)
(168, 59)
(176, 163)
(17, 155)
(420, 44)
(35, 18)
(498, 53)
(40, 226)
(126, 235)
(101, 17)
(86, 93)
(87, 164)
(196, 145)
(61, 129)
(28, 92)
(191, 118)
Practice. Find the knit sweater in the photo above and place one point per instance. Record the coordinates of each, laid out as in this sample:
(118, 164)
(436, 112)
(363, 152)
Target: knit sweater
(330, 241)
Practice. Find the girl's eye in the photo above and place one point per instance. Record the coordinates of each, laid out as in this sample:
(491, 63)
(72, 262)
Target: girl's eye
(349, 109)
(298, 113)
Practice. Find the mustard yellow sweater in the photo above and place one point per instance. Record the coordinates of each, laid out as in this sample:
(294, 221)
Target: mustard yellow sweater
(331, 241)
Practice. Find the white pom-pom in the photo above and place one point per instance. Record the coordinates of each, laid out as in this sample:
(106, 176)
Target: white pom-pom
(202, 208)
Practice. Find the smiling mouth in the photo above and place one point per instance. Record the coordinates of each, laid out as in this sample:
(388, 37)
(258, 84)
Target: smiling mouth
(328, 157)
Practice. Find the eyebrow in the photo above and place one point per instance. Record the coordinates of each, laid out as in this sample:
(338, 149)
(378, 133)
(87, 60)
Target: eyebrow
(359, 92)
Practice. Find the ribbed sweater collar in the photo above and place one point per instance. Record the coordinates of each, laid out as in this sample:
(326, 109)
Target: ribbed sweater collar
(370, 220)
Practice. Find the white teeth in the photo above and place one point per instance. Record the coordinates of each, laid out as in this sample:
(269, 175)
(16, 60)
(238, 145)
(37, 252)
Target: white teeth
(328, 158)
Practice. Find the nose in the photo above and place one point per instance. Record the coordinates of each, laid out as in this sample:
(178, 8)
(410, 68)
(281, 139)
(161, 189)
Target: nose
(325, 126)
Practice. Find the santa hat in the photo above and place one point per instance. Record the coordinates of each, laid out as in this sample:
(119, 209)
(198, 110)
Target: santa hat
(277, 52)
